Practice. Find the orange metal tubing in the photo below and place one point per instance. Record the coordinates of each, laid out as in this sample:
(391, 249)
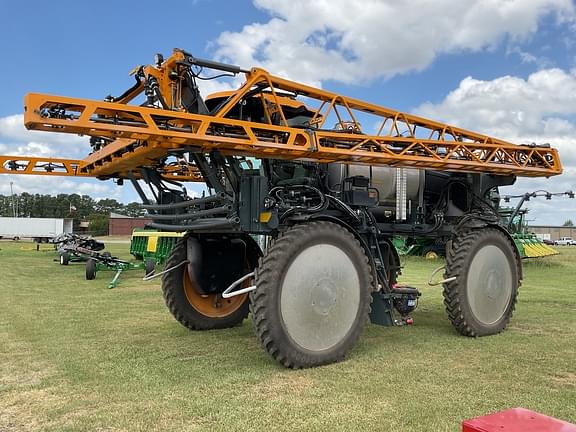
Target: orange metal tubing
(142, 136)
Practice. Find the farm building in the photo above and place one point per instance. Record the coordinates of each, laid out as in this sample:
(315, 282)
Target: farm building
(553, 232)
(123, 225)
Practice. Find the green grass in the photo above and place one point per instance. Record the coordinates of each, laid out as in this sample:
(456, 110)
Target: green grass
(77, 356)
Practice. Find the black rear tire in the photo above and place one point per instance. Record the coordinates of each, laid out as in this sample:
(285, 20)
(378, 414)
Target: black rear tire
(91, 269)
(64, 258)
(313, 295)
(181, 303)
(486, 265)
(149, 266)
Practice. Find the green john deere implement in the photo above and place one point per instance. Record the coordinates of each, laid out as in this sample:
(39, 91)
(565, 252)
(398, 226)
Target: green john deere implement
(150, 248)
(527, 243)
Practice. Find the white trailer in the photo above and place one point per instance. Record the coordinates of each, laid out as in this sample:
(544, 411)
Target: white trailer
(38, 229)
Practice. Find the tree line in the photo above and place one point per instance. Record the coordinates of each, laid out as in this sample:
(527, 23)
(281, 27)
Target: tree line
(74, 206)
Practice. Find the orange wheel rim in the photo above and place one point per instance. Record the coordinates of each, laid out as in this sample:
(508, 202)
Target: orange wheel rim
(211, 305)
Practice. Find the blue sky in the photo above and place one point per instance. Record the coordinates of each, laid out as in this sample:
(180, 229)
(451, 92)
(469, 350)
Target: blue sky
(452, 60)
(87, 48)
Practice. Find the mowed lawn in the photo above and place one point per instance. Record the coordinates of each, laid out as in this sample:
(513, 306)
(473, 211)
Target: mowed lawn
(75, 355)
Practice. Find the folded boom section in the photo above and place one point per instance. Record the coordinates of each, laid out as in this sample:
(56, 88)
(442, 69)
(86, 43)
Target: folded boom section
(269, 117)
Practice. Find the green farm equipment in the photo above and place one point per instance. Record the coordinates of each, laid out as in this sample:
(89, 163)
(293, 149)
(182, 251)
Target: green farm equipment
(530, 246)
(527, 243)
(150, 248)
(106, 262)
(424, 247)
(153, 246)
(75, 248)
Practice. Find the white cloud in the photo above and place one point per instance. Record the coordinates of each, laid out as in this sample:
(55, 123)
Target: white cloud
(351, 41)
(58, 185)
(360, 41)
(540, 109)
(16, 140)
(541, 62)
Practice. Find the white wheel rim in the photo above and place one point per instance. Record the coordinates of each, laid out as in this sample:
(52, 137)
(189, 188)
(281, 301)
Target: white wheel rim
(320, 297)
(489, 285)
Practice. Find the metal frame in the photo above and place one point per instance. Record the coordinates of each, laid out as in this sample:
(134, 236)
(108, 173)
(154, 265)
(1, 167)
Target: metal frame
(40, 166)
(71, 168)
(141, 136)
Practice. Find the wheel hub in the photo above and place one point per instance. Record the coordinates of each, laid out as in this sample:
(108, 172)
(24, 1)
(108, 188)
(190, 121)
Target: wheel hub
(323, 296)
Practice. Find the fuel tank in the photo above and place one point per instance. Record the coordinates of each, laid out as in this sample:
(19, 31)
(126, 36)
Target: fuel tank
(398, 188)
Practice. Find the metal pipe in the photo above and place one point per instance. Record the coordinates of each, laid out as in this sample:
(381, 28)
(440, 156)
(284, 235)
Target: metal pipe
(183, 204)
(431, 281)
(524, 198)
(211, 64)
(199, 225)
(118, 122)
(193, 215)
(228, 291)
(139, 189)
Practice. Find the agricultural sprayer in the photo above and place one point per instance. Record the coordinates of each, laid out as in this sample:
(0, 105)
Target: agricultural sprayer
(294, 164)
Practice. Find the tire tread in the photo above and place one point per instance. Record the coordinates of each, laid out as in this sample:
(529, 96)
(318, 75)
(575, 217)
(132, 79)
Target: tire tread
(267, 277)
(456, 256)
(172, 291)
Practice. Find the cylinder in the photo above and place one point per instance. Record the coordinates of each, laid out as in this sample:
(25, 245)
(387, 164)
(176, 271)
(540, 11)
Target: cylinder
(388, 181)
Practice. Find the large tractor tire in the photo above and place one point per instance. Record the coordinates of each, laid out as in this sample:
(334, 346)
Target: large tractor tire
(313, 294)
(481, 300)
(191, 306)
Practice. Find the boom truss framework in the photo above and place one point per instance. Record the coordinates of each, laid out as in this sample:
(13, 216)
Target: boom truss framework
(140, 136)
(71, 168)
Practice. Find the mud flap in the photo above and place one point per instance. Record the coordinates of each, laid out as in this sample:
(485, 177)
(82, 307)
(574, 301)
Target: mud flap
(381, 311)
(194, 257)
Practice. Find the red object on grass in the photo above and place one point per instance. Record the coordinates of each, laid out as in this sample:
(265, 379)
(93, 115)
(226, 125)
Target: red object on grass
(517, 420)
